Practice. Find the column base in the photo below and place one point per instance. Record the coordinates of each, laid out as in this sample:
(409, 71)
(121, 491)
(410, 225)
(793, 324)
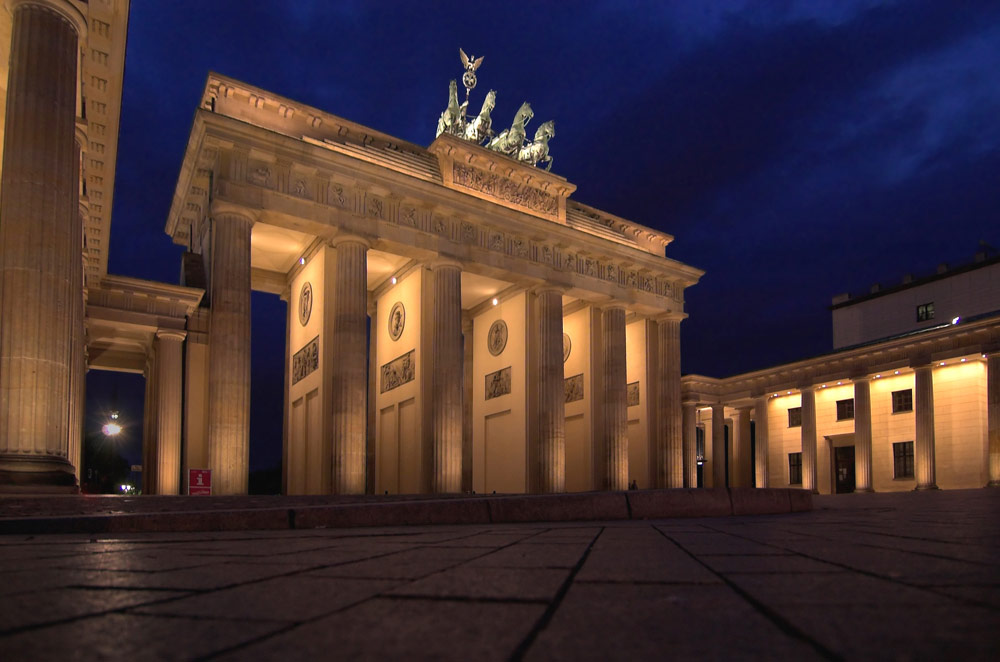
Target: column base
(29, 475)
(924, 488)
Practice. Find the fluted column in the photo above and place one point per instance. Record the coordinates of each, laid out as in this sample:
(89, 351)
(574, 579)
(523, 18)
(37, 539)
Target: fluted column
(760, 449)
(168, 411)
(349, 374)
(467, 432)
(740, 464)
(862, 434)
(808, 432)
(78, 346)
(614, 442)
(923, 406)
(38, 219)
(718, 445)
(551, 393)
(690, 431)
(229, 354)
(669, 455)
(447, 375)
(993, 415)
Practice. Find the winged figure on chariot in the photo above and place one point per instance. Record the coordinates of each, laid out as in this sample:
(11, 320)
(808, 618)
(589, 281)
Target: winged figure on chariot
(510, 142)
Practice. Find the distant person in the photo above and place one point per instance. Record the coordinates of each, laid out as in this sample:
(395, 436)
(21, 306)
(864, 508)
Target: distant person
(633, 485)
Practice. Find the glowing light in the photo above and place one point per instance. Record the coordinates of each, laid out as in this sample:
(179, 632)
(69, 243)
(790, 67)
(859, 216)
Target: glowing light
(393, 280)
(302, 260)
(823, 386)
(114, 416)
(877, 376)
(495, 301)
(942, 363)
(839, 383)
(789, 393)
(956, 320)
(963, 360)
(897, 372)
(111, 429)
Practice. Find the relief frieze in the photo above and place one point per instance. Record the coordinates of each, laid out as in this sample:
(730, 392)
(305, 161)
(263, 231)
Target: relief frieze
(632, 394)
(505, 190)
(305, 361)
(574, 388)
(498, 383)
(397, 372)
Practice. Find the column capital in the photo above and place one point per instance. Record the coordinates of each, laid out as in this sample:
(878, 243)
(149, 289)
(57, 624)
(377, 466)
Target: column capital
(444, 262)
(220, 208)
(550, 287)
(64, 8)
(350, 239)
(171, 334)
(861, 379)
(807, 388)
(669, 317)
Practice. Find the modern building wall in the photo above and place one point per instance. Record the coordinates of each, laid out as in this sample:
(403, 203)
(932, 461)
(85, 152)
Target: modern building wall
(964, 292)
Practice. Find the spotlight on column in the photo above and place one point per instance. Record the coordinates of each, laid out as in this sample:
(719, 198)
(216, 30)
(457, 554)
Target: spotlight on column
(495, 301)
(302, 260)
(393, 280)
(956, 319)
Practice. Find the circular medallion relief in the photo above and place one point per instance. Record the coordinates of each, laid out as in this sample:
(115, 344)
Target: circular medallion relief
(496, 340)
(305, 303)
(567, 347)
(397, 320)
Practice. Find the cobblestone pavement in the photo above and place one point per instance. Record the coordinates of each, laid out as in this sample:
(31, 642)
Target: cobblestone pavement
(903, 576)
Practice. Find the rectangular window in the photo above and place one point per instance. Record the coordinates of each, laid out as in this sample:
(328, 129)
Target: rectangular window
(925, 311)
(795, 468)
(845, 409)
(902, 459)
(902, 401)
(795, 417)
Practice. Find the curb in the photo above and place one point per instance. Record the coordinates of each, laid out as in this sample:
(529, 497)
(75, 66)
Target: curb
(587, 506)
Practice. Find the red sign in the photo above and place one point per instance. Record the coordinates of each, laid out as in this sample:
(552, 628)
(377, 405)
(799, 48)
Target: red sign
(200, 482)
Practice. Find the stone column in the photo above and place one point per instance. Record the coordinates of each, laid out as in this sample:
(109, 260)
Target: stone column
(551, 393)
(229, 354)
(993, 415)
(614, 442)
(349, 373)
(690, 429)
(39, 214)
(370, 440)
(447, 376)
(168, 410)
(149, 429)
(468, 347)
(740, 464)
(760, 455)
(923, 406)
(718, 446)
(808, 432)
(78, 346)
(669, 455)
(862, 434)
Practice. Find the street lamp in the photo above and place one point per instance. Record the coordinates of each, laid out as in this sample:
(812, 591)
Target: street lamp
(112, 427)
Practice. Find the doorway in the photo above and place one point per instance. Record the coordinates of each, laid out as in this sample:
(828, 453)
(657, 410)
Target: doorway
(843, 469)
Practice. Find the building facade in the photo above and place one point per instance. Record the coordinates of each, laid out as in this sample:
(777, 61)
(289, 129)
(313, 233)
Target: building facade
(909, 400)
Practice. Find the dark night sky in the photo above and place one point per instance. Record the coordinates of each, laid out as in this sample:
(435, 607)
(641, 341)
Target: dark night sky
(795, 150)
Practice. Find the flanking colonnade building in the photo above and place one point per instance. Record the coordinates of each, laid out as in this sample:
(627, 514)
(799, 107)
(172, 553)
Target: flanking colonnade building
(909, 398)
